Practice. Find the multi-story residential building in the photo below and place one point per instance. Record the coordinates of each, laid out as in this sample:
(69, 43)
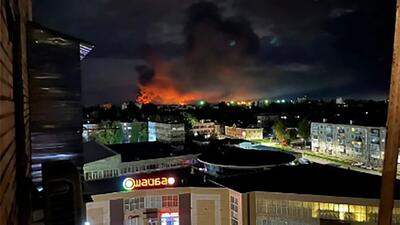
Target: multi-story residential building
(15, 151)
(358, 143)
(55, 87)
(244, 133)
(103, 162)
(205, 128)
(166, 132)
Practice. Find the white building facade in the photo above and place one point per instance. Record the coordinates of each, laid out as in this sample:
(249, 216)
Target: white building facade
(206, 128)
(166, 132)
(358, 143)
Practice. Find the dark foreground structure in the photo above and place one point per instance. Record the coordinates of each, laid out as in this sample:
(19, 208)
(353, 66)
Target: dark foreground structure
(55, 88)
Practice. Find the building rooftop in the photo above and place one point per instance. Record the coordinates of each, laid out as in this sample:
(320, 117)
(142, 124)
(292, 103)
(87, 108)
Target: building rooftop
(93, 151)
(312, 179)
(235, 157)
(50, 36)
(148, 150)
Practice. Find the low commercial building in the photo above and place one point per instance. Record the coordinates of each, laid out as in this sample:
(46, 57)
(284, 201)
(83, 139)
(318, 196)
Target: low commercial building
(358, 143)
(169, 206)
(166, 132)
(287, 197)
(273, 208)
(244, 133)
(103, 162)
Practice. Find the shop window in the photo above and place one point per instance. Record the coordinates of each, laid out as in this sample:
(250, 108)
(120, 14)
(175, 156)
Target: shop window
(169, 201)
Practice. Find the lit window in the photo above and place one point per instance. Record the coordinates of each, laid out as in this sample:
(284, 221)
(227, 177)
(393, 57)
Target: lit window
(153, 202)
(234, 211)
(134, 204)
(169, 201)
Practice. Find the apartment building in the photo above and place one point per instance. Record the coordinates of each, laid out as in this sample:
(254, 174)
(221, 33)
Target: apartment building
(166, 132)
(359, 143)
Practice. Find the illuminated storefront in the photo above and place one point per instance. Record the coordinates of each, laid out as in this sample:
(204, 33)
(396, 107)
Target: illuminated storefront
(167, 206)
(295, 209)
(171, 218)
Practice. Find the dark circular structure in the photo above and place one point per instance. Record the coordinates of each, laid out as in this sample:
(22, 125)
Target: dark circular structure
(237, 158)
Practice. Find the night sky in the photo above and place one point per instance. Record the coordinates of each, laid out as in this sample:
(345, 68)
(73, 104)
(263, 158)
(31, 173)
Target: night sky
(228, 49)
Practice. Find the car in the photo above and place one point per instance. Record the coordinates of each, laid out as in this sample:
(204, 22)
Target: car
(359, 164)
(368, 167)
(304, 161)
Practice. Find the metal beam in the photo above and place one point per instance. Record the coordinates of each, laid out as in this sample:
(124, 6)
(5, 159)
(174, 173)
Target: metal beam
(393, 135)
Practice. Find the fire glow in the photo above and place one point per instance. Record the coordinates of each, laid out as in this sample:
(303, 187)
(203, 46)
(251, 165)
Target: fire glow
(141, 183)
(220, 62)
(162, 89)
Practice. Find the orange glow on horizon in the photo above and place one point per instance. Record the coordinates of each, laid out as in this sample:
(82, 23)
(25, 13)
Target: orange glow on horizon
(163, 90)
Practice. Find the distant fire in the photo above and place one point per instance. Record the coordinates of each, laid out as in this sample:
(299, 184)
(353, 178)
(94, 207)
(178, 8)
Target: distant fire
(219, 64)
(161, 89)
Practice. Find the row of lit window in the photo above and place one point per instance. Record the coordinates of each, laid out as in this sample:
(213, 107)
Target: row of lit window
(132, 169)
(101, 174)
(288, 208)
(151, 202)
(234, 210)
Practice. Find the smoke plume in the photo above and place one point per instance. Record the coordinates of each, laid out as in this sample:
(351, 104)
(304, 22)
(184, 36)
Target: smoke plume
(216, 65)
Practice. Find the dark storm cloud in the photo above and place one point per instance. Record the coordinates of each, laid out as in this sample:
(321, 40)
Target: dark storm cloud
(321, 47)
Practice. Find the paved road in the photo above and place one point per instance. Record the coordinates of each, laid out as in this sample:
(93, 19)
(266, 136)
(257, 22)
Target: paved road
(333, 163)
(328, 162)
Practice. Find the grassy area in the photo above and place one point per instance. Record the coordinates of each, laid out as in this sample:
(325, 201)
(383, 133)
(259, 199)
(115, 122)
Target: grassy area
(264, 141)
(329, 158)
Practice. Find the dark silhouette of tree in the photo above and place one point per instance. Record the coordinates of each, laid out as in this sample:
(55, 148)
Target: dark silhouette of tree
(279, 129)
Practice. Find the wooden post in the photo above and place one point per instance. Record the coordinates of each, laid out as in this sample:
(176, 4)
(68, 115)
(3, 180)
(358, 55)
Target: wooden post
(393, 134)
